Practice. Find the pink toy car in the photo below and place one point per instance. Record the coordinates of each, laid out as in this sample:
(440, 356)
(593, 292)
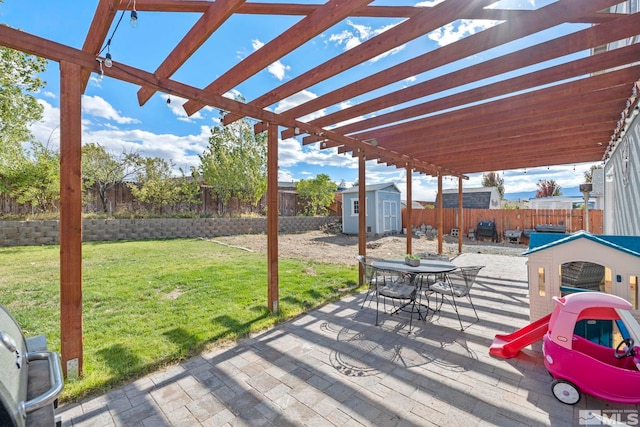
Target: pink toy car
(590, 347)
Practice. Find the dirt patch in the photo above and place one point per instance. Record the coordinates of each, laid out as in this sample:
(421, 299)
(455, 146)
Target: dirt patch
(341, 248)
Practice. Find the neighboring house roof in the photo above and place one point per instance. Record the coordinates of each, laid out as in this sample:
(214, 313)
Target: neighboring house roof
(472, 198)
(414, 204)
(543, 241)
(373, 187)
(287, 184)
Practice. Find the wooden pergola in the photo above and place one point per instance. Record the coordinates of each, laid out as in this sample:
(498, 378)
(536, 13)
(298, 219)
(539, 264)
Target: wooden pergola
(451, 124)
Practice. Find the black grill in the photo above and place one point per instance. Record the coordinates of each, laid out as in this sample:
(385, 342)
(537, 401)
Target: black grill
(30, 377)
(487, 229)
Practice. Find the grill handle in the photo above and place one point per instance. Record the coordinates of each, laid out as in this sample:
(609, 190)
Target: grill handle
(55, 377)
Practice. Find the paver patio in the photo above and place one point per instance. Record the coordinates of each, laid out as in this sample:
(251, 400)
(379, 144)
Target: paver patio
(334, 367)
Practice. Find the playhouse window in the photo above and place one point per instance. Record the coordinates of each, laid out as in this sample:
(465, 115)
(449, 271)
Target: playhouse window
(580, 276)
(633, 291)
(608, 284)
(541, 282)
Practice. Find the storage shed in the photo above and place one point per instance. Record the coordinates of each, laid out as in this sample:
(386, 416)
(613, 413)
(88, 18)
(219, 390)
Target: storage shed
(383, 209)
(472, 198)
(560, 264)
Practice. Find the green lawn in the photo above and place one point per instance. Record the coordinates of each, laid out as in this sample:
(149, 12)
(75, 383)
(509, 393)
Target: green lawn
(150, 303)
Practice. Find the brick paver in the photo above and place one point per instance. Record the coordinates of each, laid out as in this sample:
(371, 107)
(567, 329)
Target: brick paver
(334, 367)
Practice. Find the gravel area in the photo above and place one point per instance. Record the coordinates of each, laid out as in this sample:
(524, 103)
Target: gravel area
(342, 248)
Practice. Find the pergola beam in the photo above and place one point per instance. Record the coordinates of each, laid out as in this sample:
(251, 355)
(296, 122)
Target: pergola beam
(57, 52)
(426, 20)
(310, 26)
(291, 9)
(543, 18)
(591, 37)
(557, 98)
(216, 14)
(102, 19)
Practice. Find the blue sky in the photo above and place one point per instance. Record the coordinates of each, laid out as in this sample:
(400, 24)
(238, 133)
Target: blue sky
(113, 118)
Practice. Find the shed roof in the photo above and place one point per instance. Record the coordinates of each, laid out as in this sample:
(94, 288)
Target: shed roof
(543, 241)
(374, 187)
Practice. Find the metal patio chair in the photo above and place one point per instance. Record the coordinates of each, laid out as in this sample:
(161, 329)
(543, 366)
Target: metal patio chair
(456, 284)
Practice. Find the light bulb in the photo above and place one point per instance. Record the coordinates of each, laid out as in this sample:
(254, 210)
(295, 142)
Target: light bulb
(101, 73)
(107, 60)
(134, 19)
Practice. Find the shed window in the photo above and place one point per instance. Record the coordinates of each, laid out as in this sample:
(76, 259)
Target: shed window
(355, 207)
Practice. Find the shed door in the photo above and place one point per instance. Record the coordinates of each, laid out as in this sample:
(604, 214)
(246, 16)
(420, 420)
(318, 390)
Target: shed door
(389, 215)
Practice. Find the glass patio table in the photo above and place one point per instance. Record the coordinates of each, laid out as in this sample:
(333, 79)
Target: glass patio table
(416, 273)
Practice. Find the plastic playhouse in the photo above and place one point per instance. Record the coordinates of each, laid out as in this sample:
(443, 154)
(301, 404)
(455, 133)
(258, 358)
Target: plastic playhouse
(588, 345)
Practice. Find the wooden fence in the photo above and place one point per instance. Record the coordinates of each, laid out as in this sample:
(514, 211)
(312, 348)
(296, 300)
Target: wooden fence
(507, 219)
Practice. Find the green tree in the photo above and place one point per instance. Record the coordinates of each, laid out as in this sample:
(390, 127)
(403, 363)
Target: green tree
(493, 179)
(235, 163)
(156, 184)
(18, 108)
(548, 188)
(103, 170)
(316, 194)
(190, 188)
(35, 180)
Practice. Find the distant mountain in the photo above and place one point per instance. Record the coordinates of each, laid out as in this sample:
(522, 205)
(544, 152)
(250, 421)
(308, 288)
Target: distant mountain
(526, 195)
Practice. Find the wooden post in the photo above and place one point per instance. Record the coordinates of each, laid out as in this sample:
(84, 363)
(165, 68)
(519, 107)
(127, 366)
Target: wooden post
(272, 218)
(460, 215)
(409, 208)
(71, 219)
(440, 213)
(362, 210)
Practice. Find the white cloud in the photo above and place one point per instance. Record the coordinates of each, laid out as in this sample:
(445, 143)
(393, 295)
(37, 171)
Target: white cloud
(387, 53)
(291, 152)
(297, 99)
(285, 176)
(232, 94)
(460, 29)
(514, 4)
(97, 107)
(182, 150)
(429, 3)
(346, 38)
(176, 107)
(47, 130)
(256, 44)
(49, 94)
(277, 69)
(358, 33)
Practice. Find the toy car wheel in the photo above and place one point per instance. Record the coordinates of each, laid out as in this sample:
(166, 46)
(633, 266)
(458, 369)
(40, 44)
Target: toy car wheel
(565, 392)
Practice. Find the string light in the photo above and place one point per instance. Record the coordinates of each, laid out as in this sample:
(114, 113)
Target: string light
(134, 16)
(101, 75)
(169, 100)
(107, 58)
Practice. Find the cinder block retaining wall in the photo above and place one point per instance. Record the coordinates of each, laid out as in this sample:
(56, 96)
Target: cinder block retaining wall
(28, 233)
